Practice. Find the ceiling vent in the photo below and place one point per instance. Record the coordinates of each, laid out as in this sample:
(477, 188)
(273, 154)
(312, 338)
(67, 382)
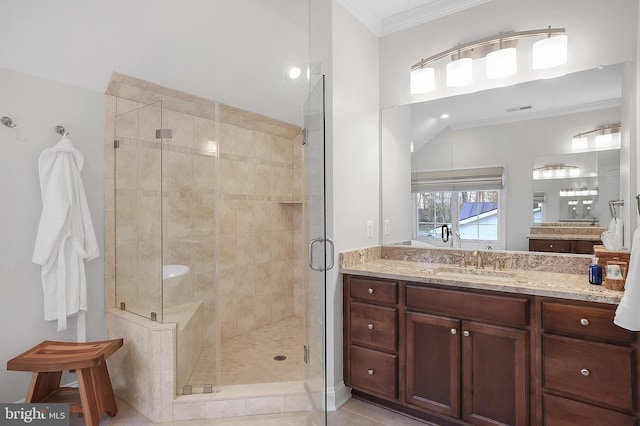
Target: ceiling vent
(522, 108)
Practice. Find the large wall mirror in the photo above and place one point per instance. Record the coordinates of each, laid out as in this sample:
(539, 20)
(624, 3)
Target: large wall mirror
(475, 162)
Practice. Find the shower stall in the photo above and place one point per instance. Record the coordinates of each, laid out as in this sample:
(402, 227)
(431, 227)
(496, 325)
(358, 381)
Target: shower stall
(212, 227)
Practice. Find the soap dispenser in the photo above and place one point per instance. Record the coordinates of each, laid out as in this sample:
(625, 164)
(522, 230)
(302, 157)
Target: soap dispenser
(595, 272)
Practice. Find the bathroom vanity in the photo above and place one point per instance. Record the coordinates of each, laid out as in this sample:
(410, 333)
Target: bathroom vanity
(558, 237)
(456, 345)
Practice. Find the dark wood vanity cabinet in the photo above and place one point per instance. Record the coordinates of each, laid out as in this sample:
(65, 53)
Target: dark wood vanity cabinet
(454, 356)
(588, 366)
(447, 355)
(562, 246)
(465, 356)
(371, 330)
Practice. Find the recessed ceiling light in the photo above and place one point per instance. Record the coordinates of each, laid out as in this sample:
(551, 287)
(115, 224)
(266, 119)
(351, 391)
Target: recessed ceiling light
(294, 72)
(445, 115)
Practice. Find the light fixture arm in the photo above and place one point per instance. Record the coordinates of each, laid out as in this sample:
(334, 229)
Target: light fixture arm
(609, 128)
(500, 38)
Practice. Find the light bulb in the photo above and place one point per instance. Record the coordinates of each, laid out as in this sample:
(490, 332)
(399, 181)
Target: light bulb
(423, 80)
(502, 63)
(578, 143)
(550, 52)
(460, 72)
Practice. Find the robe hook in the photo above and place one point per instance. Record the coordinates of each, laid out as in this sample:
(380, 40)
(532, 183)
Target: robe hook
(7, 121)
(61, 131)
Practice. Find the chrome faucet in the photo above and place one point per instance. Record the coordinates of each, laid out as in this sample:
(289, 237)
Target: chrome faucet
(478, 256)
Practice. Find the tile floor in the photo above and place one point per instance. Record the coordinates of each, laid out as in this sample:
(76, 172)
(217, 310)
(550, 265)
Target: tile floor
(248, 358)
(353, 413)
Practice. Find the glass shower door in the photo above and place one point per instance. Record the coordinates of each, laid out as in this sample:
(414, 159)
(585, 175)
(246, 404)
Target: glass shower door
(138, 214)
(320, 254)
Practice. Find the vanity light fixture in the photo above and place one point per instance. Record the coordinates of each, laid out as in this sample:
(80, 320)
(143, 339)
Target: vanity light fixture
(556, 171)
(607, 137)
(500, 53)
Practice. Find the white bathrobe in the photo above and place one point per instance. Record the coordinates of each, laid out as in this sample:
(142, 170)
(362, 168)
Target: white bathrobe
(628, 311)
(66, 237)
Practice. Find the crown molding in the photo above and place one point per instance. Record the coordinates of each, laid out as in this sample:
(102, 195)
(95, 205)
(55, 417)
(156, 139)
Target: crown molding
(428, 12)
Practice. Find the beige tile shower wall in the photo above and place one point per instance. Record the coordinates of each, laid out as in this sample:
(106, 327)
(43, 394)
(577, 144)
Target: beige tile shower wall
(256, 259)
(262, 248)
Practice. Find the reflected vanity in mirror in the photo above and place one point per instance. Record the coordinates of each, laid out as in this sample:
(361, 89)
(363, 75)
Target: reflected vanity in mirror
(469, 162)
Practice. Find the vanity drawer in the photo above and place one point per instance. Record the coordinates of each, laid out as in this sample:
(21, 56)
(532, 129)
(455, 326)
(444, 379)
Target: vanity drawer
(596, 372)
(502, 309)
(374, 326)
(372, 290)
(565, 412)
(585, 247)
(374, 372)
(555, 246)
(589, 321)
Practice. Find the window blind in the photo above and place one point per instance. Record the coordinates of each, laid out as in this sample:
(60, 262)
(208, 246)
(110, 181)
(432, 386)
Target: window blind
(481, 179)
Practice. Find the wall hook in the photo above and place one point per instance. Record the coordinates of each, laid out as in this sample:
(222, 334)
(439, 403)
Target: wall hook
(7, 121)
(61, 131)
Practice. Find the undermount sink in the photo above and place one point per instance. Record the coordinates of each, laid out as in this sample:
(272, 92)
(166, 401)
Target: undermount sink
(474, 273)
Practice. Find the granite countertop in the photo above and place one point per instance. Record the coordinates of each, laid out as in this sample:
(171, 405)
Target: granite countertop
(581, 237)
(530, 282)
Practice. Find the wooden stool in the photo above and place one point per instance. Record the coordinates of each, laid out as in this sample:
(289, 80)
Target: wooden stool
(49, 359)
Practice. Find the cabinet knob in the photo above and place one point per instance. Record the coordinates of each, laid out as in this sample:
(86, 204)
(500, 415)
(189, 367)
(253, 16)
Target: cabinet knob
(454, 331)
(585, 372)
(465, 333)
(551, 245)
(371, 291)
(584, 321)
(370, 326)
(370, 372)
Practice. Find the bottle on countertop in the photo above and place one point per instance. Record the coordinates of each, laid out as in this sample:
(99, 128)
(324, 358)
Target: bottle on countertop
(595, 272)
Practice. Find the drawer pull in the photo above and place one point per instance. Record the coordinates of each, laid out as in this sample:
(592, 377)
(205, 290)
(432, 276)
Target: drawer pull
(465, 333)
(370, 372)
(550, 245)
(453, 331)
(370, 290)
(585, 372)
(370, 326)
(584, 321)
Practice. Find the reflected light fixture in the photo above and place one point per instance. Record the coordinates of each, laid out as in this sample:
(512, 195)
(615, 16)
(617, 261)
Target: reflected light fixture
(607, 137)
(500, 54)
(556, 171)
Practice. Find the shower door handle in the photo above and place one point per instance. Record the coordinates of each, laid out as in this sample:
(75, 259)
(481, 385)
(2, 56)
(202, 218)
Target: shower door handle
(328, 242)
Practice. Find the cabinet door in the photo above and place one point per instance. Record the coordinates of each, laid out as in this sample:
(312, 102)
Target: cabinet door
(433, 363)
(495, 372)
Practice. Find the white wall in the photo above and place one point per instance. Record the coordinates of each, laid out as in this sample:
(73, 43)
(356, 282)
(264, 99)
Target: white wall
(600, 33)
(355, 159)
(395, 172)
(233, 51)
(37, 106)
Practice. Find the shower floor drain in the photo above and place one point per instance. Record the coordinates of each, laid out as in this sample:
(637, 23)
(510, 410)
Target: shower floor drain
(279, 358)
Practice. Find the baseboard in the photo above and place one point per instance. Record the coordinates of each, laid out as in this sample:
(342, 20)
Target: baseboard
(337, 396)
